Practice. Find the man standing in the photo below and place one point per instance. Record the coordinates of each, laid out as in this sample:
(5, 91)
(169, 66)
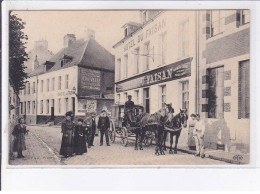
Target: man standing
(103, 126)
(198, 134)
(92, 129)
(129, 105)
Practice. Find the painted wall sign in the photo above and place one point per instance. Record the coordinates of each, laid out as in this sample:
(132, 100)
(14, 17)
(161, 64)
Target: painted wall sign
(85, 105)
(65, 93)
(173, 71)
(147, 33)
(89, 82)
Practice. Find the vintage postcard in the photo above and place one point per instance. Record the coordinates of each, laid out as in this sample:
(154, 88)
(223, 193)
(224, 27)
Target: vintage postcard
(129, 87)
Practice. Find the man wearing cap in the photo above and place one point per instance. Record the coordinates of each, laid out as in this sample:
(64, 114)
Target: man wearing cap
(198, 134)
(129, 105)
(103, 126)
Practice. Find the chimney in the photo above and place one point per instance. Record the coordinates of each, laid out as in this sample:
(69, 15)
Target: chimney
(69, 39)
(36, 62)
(90, 34)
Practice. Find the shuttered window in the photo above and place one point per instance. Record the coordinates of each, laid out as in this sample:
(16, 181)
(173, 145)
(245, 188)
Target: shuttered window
(244, 90)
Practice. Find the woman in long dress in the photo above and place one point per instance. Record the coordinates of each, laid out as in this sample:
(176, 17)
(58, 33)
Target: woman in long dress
(19, 139)
(191, 124)
(79, 140)
(68, 130)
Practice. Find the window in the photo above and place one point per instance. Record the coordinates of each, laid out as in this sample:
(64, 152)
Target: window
(184, 39)
(25, 111)
(244, 17)
(66, 104)
(53, 84)
(33, 107)
(67, 81)
(125, 96)
(47, 106)
(147, 56)
(137, 96)
(162, 49)
(146, 99)
(59, 105)
(162, 95)
(217, 22)
(41, 108)
(48, 85)
(216, 93)
(28, 107)
(136, 59)
(126, 66)
(145, 18)
(61, 62)
(244, 90)
(118, 69)
(33, 89)
(118, 97)
(21, 108)
(29, 88)
(42, 83)
(59, 83)
(125, 32)
(185, 95)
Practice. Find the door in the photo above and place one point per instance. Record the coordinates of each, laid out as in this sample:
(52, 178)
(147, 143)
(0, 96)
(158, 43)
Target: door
(73, 105)
(147, 100)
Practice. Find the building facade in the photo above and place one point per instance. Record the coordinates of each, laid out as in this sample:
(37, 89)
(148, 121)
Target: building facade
(79, 78)
(224, 72)
(196, 60)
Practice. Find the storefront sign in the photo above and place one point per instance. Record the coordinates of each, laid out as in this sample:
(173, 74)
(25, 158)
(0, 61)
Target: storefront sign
(89, 82)
(146, 33)
(170, 72)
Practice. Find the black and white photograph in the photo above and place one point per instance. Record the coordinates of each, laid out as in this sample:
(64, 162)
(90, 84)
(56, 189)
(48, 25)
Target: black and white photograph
(129, 87)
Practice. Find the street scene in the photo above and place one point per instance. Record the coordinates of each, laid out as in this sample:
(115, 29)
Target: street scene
(140, 87)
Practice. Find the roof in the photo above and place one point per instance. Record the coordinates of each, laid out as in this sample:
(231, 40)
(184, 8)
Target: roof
(82, 52)
(131, 23)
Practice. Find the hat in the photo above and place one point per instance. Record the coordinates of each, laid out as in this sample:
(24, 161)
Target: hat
(197, 115)
(192, 115)
(80, 120)
(103, 110)
(129, 96)
(69, 113)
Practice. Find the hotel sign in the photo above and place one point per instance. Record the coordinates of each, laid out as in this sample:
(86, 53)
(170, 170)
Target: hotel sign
(170, 72)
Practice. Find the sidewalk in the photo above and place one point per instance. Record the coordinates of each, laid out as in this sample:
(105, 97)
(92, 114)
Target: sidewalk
(233, 158)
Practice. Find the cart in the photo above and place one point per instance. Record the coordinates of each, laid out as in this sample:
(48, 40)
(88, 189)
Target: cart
(121, 128)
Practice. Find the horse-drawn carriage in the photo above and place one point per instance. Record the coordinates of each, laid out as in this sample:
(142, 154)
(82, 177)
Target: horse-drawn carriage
(124, 124)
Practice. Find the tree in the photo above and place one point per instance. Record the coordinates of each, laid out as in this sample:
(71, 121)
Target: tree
(17, 54)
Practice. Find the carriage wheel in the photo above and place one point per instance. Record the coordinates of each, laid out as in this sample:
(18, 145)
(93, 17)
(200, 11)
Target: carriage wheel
(124, 137)
(112, 133)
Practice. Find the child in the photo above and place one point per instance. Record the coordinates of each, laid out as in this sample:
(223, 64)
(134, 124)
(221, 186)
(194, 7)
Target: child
(80, 144)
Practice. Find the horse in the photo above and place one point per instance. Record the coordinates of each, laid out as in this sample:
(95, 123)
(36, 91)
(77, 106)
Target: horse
(155, 123)
(174, 125)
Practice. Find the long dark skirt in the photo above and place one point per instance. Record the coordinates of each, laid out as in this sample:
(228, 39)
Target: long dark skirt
(66, 148)
(80, 144)
(19, 142)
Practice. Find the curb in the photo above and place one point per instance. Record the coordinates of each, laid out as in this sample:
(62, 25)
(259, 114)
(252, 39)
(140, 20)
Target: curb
(213, 157)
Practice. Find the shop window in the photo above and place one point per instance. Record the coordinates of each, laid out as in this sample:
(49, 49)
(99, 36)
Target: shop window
(185, 95)
(244, 90)
(147, 100)
(217, 22)
(216, 93)
(184, 39)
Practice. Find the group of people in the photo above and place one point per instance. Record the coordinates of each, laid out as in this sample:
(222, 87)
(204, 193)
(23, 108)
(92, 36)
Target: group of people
(196, 133)
(77, 137)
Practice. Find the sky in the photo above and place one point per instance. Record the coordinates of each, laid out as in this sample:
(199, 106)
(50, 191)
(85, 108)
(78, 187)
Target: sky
(54, 25)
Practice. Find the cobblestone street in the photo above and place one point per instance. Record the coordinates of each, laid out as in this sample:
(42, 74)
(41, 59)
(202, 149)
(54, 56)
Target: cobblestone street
(43, 144)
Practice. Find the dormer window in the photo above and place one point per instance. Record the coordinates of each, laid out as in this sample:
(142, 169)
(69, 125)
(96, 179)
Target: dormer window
(65, 60)
(62, 63)
(125, 32)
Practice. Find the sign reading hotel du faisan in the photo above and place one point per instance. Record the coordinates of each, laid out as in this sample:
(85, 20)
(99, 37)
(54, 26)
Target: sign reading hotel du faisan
(173, 71)
(89, 81)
